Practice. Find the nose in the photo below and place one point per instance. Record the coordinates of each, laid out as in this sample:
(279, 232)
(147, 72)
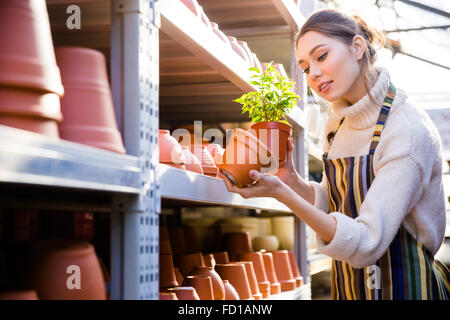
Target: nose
(314, 72)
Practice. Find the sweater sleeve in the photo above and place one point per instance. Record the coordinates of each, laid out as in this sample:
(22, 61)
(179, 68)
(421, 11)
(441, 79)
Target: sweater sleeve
(393, 193)
(321, 194)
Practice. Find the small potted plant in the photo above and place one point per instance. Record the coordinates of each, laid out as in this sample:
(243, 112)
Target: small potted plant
(267, 108)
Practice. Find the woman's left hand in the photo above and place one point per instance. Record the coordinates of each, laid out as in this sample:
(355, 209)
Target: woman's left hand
(265, 186)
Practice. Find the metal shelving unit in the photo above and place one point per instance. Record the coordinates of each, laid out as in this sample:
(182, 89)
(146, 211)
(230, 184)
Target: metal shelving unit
(163, 65)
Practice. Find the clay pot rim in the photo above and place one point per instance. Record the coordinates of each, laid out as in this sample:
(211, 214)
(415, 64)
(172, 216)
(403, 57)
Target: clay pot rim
(272, 125)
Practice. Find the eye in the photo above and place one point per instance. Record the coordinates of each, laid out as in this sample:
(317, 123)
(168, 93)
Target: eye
(322, 56)
(306, 71)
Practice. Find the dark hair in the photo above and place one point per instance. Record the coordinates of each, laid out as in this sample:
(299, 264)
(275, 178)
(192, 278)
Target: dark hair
(334, 23)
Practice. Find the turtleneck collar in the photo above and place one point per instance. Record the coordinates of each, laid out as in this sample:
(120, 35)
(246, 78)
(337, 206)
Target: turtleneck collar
(364, 113)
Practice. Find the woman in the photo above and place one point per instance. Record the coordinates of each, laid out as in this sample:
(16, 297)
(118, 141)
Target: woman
(379, 211)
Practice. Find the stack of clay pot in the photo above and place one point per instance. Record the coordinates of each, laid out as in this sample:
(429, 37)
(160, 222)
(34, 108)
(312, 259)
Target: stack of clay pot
(87, 105)
(59, 266)
(30, 82)
(170, 151)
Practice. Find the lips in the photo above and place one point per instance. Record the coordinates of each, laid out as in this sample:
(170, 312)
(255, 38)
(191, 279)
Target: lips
(323, 85)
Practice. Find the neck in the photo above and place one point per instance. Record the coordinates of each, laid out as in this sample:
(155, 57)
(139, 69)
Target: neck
(358, 89)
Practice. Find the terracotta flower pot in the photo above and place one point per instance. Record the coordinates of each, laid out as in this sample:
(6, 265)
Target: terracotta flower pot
(238, 49)
(275, 136)
(202, 284)
(170, 151)
(187, 261)
(217, 284)
(260, 271)
(177, 240)
(30, 110)
(230, 291)
(163, 233)
(251, 276)
(50, 264)
(27, 58)
(248, 52)
(220, 34)
(243, 153)
(87, 104)
(235, 242)
(19, 295)
(207, 162)
(295, 270)
(216, 152)
(193, 6)
(275, 286)
(185, 293)
(167, 277)
(268, 243)
(192, 163)
(221, 257)
(191, 240)
(236, 274)
(283, 270)
(167, 296)
(178, 275)
(164, 247)
(209, 260)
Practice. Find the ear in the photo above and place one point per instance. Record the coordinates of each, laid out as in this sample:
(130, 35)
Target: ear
(358, 46)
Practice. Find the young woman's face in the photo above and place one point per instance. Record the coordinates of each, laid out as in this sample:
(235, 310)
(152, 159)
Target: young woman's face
(331, 67)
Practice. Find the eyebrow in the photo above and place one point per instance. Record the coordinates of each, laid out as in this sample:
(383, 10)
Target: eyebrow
(312, 51)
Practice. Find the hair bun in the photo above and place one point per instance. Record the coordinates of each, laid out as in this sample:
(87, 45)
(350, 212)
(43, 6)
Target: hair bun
(372, 35)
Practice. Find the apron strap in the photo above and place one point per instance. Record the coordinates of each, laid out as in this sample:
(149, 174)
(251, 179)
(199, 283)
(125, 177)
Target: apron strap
(384, 112)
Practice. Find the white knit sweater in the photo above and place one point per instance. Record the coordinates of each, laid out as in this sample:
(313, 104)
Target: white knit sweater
(407, 189)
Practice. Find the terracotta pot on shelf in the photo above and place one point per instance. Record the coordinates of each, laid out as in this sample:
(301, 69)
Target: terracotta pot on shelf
(49, 267)
(19, 295)
(274, 135)
(170, 151)
(207, 162)
(238, 49)
(27, 58)
(236, 274)
(193, 6)
(275, 286)
(260, 271)
(217, 284)
(221, 257)
(283, 270)
(243, 153)
(177, 240)
(251, 276)
(202, 284)
(178, 275)
(163, 233)
(191, 240)
(235, 242)
(185, 293)
(167, 277)
(87, 104)
(164, 247)
(268, 243)
(209, 260)
(216, 152)
(295, 270)
(192, 163)
(230, 291)
(167, 296)
(187, 261)
(30, 110)
(220, 34)
(248, 52)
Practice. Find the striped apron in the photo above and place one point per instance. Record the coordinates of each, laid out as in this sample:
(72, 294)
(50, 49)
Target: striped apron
(407, 270)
